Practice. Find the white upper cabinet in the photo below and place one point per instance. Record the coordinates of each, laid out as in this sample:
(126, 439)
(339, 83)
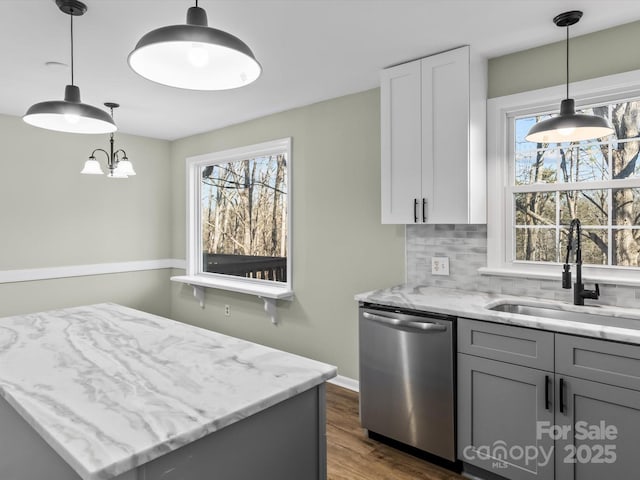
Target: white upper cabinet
(401, 143)
(433, 140)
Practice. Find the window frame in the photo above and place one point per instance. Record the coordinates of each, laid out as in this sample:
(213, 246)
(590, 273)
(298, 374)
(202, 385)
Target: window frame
(258, 287)
(500, 111)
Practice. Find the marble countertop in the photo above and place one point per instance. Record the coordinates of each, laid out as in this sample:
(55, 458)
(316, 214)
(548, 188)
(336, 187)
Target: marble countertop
(475, 305)
(111, 388)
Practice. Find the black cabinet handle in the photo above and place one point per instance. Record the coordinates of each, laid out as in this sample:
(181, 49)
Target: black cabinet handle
(561, 395)
(415, 210)
(424, 210)
(547, 403)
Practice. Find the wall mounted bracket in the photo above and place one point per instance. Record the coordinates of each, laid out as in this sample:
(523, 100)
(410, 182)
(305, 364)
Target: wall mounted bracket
(198, 293)
(271, 309)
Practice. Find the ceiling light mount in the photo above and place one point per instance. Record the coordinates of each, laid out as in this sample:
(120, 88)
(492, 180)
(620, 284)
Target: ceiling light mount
(569, 126)
(567, 19)
(72, 7)
(194, 56)
(70, 115)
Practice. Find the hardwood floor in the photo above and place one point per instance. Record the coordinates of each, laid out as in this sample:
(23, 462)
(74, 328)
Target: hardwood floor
(351, 455)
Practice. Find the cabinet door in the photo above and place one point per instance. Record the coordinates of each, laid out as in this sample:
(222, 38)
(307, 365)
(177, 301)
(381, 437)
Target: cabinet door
(499, 407)
(590, 405)
(445, 136)
(401, 144)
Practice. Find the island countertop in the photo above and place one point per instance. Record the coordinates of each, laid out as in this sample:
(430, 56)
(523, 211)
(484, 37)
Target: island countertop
(476, 306)
(110, 388)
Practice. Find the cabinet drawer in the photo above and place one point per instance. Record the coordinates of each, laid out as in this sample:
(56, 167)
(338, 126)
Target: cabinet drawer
(598, 360)
(520, 346)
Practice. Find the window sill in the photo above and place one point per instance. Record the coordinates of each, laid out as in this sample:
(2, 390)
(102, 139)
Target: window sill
(268, 293)
(611, 276)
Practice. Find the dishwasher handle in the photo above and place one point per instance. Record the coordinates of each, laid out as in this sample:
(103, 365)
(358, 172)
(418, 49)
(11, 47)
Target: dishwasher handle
(417, 324)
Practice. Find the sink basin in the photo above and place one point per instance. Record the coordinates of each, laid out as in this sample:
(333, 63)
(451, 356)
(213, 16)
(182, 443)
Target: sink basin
(555, 312)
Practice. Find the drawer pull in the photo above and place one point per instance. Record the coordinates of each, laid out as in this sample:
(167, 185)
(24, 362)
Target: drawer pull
(561, 395)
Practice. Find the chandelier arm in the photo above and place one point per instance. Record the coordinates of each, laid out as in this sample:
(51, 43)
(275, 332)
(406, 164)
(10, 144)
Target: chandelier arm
(100, 150)
(120, 150)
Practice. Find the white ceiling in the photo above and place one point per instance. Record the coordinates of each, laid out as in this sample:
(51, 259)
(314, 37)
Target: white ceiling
(310, 50)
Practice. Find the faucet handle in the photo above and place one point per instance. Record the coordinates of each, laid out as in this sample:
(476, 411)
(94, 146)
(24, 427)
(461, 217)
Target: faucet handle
(592, 294)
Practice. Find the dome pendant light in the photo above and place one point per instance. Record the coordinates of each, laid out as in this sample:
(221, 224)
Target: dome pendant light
(569, 126)
(194, 56)
(70, 115)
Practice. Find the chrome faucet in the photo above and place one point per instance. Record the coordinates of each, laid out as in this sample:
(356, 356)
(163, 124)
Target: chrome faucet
(579, 292)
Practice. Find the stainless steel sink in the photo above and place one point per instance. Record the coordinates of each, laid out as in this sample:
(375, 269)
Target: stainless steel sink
(553, 312)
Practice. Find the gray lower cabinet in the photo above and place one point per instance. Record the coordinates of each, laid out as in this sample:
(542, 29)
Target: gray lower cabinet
(499, 407)
(602, 425)
(600, 394)
(538, 405)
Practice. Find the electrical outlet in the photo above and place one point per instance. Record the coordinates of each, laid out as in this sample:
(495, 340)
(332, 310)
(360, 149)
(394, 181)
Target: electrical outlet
(227, 310)
(440, 266)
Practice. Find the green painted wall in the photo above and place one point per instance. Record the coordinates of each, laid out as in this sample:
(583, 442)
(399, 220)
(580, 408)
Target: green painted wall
(53, 216)
(148, 290)
(597, 54)
(339, 245)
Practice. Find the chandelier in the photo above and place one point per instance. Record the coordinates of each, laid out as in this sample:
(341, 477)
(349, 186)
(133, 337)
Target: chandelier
(117, 161)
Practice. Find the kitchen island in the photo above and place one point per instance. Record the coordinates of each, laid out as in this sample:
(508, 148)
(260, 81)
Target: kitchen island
(107, 392)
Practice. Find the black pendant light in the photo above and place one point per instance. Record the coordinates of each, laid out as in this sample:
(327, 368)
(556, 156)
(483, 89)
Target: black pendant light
(70, 115)
(194, 56)
(569, 126)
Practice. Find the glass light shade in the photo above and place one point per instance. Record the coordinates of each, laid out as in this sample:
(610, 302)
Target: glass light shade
(69, 115)
(569, 126)
(126, 167)
(92, 167)
(194, 56)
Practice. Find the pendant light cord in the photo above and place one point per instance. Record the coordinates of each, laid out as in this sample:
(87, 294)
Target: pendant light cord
(71, 15)
(567, 61)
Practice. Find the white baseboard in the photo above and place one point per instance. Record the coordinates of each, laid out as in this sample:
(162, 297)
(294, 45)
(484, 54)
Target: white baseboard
(346, 382)
(49, 273)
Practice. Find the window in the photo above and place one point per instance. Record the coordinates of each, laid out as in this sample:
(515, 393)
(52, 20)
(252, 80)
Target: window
(239, 219)
(536, 189)
(553, 183)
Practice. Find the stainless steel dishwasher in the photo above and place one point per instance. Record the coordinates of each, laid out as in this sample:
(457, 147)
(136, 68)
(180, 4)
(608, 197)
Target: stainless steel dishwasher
(407, 380)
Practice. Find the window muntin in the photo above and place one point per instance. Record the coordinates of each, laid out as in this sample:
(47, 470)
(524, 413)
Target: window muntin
(594, 181)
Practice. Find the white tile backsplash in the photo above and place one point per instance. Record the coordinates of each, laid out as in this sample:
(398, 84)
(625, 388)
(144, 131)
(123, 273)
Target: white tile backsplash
(466, 247)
